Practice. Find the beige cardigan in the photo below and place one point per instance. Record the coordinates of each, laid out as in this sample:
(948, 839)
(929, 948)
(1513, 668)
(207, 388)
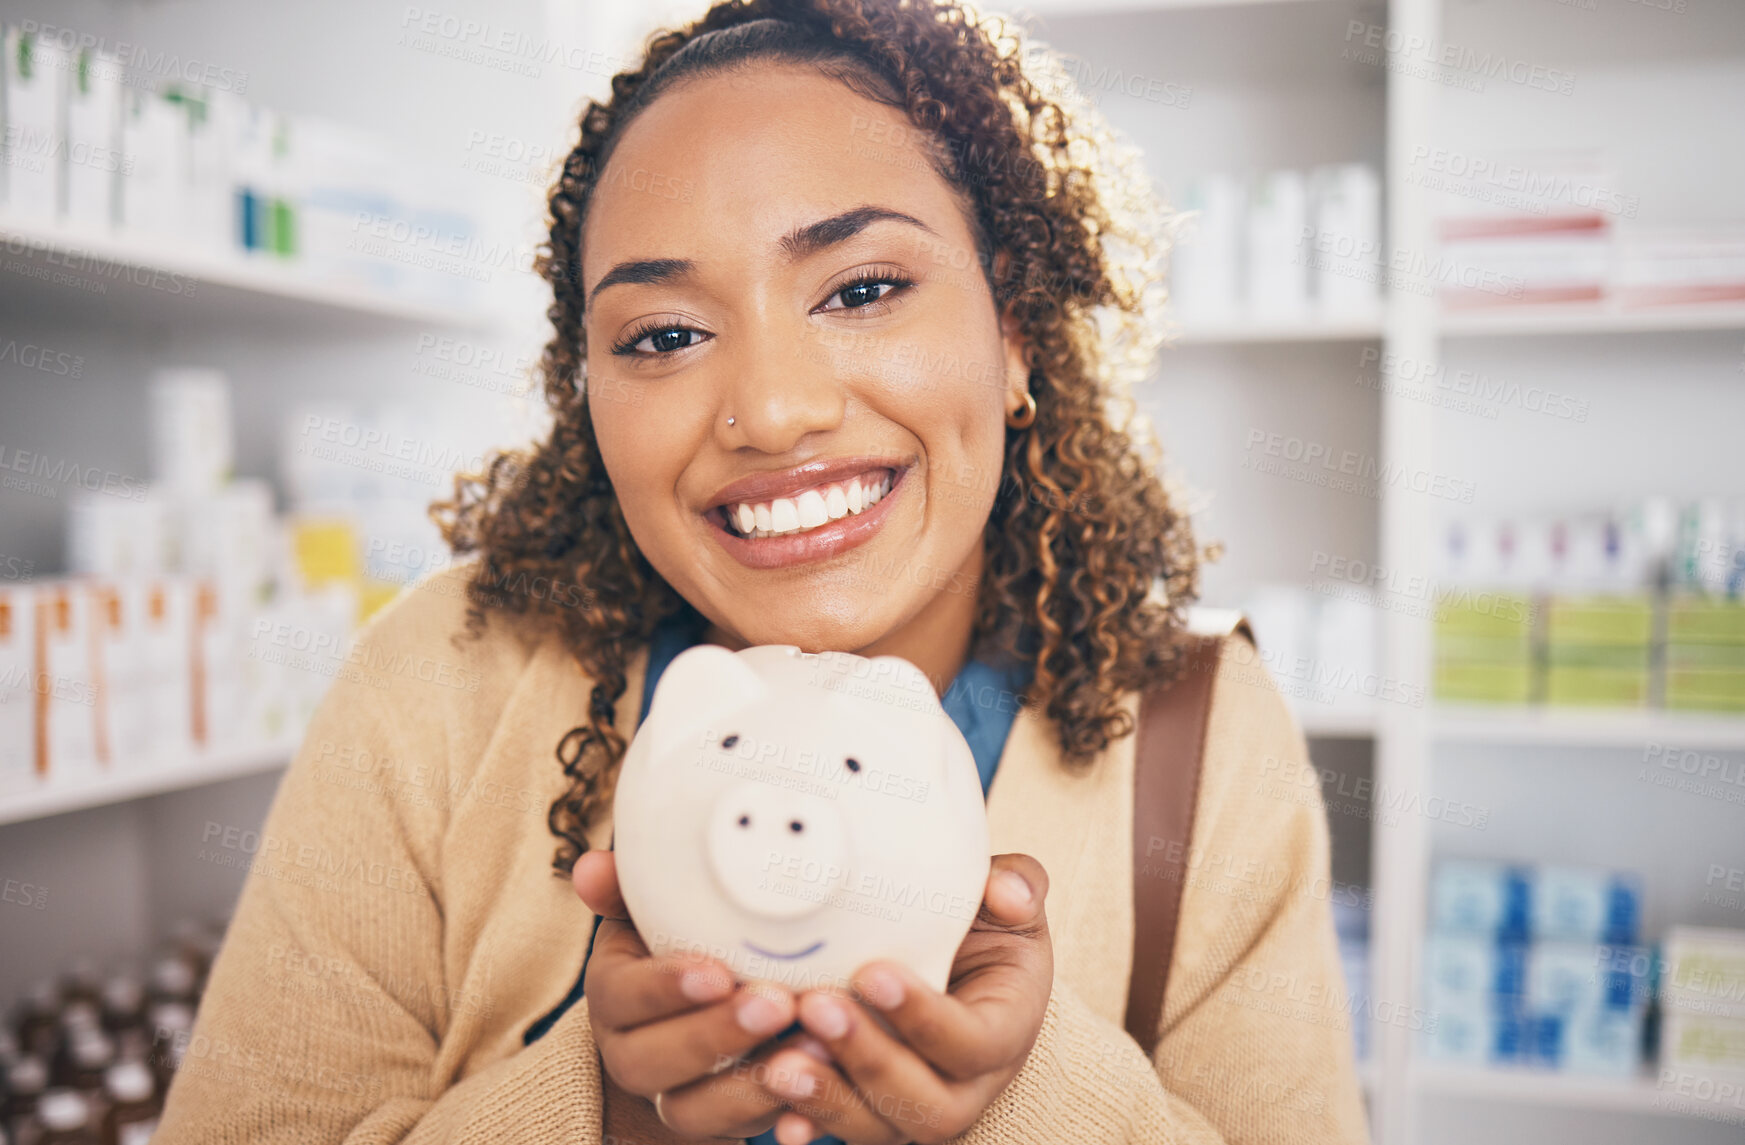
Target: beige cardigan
(401, 925)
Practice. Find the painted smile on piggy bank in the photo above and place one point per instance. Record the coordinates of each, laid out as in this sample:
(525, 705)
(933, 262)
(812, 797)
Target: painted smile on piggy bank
(799, 815)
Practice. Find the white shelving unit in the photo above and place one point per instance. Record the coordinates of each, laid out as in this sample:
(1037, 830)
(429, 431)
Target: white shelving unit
(285, 290)
(1656, 377)
(105, 787)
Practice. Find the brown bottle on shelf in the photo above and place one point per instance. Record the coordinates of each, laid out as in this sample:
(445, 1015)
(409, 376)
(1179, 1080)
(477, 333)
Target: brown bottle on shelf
(173, 979)
(123, 1011)
(171, 1023)
(39, 1026)
(65, 1116)
(91, 1054)
(26, 1079)
(133, 1105)
(81, 982)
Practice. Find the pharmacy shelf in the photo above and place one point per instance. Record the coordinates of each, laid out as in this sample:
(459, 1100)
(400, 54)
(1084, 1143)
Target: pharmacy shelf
(1592, 318)
(1238, 332)
(1336, 723)
(38, 256)
(1089, 7)
(1538, 1087)
(1575, 727)
(98, 789)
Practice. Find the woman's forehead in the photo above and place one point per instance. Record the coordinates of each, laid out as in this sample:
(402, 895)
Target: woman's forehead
(743, 158)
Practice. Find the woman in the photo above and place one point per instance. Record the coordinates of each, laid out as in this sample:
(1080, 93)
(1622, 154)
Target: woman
(842, 296)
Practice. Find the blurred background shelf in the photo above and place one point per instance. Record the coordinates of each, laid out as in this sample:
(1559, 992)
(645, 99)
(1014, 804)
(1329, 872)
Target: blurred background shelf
(1592, 319)
(1622, 1095)
(1576, 727)
(102, 788)
(1190, 333)
(164, 281)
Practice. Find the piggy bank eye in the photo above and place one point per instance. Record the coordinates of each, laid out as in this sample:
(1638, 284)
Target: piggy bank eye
(729, 742)
(745, 820)
(796, 826)
(853, 764)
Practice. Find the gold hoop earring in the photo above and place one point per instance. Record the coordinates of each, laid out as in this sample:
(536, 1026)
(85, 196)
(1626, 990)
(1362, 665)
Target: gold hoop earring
(1022, 419)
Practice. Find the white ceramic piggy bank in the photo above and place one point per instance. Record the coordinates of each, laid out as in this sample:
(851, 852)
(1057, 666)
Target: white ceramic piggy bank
(798, 815)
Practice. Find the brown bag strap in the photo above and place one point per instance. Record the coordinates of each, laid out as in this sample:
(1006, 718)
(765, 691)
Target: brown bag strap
(1166, 787)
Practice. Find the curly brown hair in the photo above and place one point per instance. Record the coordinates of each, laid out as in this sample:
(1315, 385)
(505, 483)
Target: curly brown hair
(1088, 560)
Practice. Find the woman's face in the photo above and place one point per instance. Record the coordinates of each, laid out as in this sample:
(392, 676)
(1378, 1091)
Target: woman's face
(795, 368)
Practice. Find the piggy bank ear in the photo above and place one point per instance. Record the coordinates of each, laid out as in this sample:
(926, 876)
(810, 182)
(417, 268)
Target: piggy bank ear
(698, 689)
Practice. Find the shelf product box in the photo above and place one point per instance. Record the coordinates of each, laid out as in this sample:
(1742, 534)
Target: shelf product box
(1345, 246)
(1585, 904)
(33, 146)
(1586, 1006)
(1481, 899)
(1702, 997)
(1599, 650)
(94, 140)
(125, 692)
(167, 636)
(1681, 267)
(1473, 994)
(153, 158)
(1705, 653)
(1278, 251)
(118, 536)
(18, 700)
(1484, 646)
(1206, 254)
(66, 683)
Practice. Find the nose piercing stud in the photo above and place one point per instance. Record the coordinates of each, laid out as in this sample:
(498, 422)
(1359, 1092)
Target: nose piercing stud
(730, 421)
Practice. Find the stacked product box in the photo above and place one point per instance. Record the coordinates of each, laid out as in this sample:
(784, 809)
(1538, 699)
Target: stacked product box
(1535, 966)
(90, 144)
(1284, 246)
(1351, 913)
(1702, 1000)
(1632, 609)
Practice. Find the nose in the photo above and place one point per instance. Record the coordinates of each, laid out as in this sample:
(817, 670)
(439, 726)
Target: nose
(781, 393)
(775, 853)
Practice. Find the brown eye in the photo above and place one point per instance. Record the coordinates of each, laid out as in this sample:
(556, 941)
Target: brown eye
(853, 764)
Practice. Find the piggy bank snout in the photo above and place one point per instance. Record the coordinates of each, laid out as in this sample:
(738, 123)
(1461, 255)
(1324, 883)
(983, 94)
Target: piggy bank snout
(776, 855)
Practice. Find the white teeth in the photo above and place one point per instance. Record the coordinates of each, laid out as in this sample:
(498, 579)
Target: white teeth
(809, 509)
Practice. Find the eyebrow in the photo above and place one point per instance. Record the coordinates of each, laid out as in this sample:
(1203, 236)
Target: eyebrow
(801, 242)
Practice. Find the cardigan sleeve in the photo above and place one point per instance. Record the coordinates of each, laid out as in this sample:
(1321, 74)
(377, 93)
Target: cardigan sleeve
(1256, 1032)
(327, 1007)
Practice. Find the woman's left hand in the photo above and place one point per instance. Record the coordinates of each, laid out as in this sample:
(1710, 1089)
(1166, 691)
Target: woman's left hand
(952, 1053)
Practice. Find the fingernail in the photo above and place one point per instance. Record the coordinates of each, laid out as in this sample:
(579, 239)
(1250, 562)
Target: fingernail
(824, 1016)
(812, 1047)
(702, 985)
(792, 1082)
(758, 1015)
(1017, 886)
(882, 988)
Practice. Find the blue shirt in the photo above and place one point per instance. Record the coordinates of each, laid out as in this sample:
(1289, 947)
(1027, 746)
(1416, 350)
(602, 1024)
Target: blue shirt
(982, 701)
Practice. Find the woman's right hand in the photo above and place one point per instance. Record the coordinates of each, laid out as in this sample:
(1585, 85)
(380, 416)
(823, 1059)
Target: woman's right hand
(668, 1026)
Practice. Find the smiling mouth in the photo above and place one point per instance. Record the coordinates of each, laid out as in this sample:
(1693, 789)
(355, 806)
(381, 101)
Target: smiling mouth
(809, 509)
(812, 949)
